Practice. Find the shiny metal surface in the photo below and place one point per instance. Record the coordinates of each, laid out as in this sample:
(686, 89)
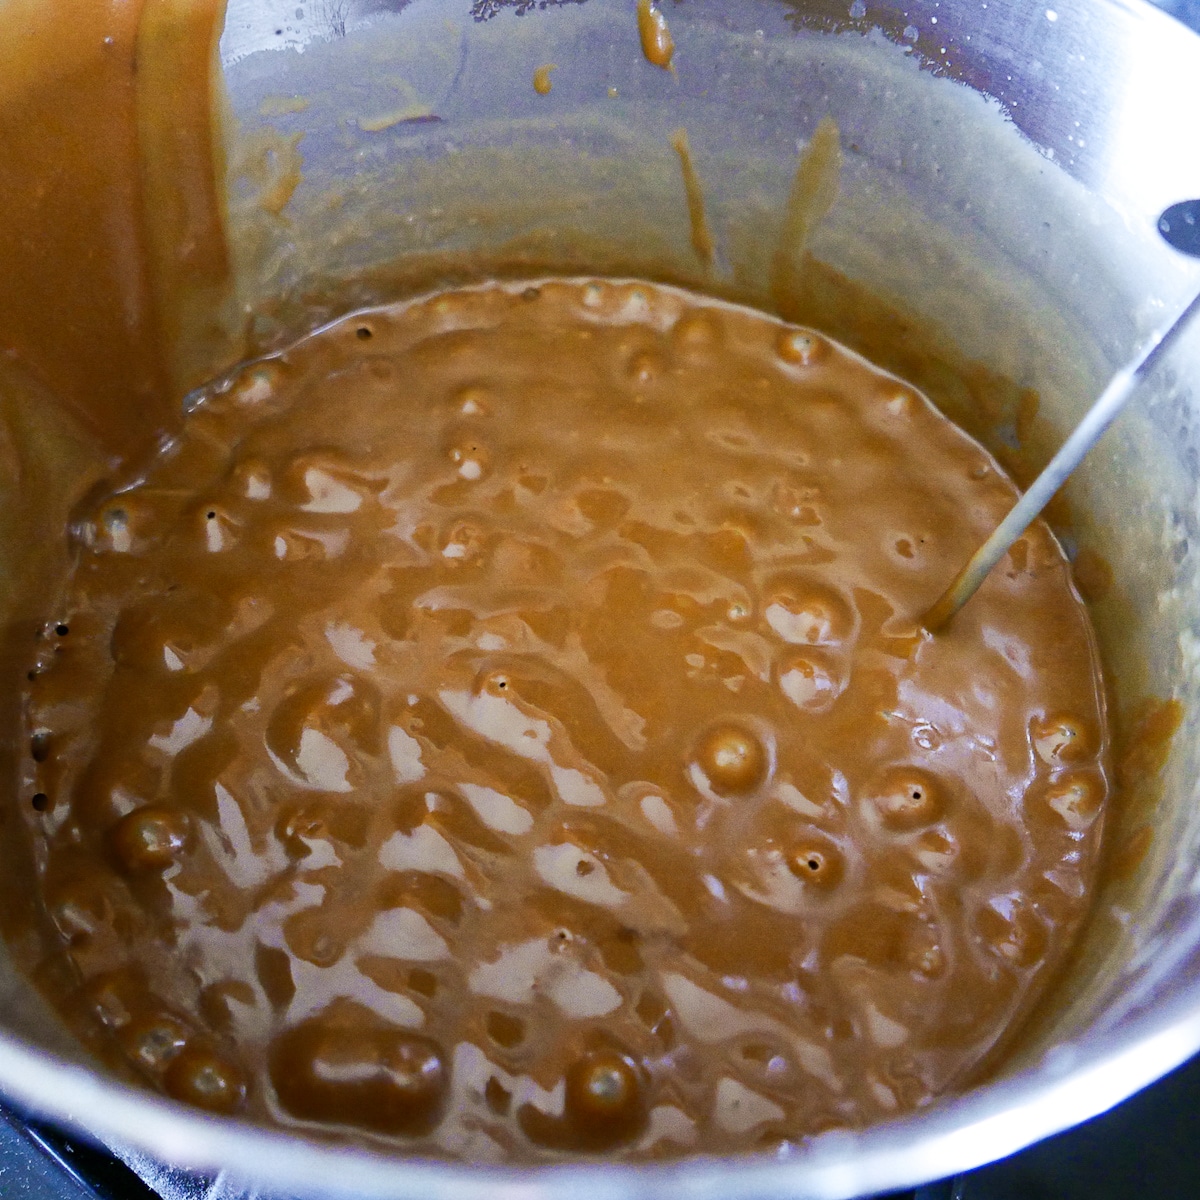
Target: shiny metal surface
(1005, 166)
(1082, 440)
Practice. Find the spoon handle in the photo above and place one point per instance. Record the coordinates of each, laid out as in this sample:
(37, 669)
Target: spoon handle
(1073, 451)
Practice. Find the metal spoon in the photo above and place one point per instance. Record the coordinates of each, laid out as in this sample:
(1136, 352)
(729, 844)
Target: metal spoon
(1180, 226)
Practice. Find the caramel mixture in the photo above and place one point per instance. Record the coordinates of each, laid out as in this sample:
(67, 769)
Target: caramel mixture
(499, 724)
(657, 44)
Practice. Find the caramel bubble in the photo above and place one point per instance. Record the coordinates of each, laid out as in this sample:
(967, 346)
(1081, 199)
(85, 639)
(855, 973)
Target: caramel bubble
(816, 860)
(299, 828)
(1077, 798)
(313, 937)
(696, 332)
(907, 798)
(805, 612)
(151, 838)
(126, 525)
(732, 758)
(938, 850)
(604, 1102)
(644, 368)
(326, 482)
(809, 681)
(463, 544)
(251, 479)
(115, 996)
(206, 1080)
(473, 400)
(80, 908)
(316, 721)
(471, 459)
(217, 530)
(1013, 932)
(924, 954)
(1060, 739)
(153, 1040)
(505, 1030)
(256, 384)
(799, 346)
(173, 634)
(384, 1079)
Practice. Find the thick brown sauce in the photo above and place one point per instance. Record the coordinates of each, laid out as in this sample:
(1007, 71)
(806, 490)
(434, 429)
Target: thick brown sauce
(500, 723)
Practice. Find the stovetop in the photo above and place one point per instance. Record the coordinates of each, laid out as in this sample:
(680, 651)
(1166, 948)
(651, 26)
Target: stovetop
(1148, 1146)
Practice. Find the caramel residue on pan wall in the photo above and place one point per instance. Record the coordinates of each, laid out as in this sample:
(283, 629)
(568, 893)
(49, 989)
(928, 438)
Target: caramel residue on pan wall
(1142, 752)
(1093, 574)
(282, 106)
(985, 402)
(279, 169)
(76, 306)
(1130, 853)
(542, 82)
(1027, 414)
(1142, 745)
(112, 242)
(702, 238)
(183, 181)
(814, 189)
(410, 113)
(657, 44)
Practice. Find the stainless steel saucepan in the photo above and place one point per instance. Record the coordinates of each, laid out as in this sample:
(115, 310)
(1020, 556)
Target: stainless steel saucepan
(1004, 165)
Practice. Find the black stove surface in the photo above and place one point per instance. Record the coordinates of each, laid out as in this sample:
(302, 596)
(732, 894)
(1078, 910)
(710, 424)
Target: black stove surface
(1149, 1146)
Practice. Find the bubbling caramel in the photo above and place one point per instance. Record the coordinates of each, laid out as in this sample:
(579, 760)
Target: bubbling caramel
(499, 727)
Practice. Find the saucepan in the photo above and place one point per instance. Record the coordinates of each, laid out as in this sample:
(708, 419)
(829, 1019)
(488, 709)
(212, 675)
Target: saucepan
(989, 231)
